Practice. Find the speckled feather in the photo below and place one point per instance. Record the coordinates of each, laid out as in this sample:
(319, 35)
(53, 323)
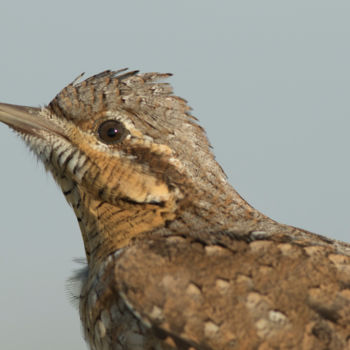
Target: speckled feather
(176, 258)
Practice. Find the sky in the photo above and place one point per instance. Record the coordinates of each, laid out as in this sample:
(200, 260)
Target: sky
(268, 80)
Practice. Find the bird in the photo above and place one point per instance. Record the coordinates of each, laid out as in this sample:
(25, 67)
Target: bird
(176, 258)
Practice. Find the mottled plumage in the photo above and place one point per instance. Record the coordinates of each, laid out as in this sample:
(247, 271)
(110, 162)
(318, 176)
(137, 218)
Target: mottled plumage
(176, 258)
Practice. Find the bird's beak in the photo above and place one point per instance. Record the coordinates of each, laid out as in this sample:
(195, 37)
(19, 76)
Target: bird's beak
(28, 120)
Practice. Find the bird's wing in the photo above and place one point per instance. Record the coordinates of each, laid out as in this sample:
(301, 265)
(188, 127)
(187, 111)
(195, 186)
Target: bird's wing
(262, 294)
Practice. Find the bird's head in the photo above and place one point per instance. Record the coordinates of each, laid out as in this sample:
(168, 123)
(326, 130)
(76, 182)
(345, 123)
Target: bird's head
(121, 138)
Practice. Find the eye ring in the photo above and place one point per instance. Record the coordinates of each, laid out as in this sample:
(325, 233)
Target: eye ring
(112, 131)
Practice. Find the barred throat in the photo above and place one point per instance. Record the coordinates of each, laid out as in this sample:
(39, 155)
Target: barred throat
(107, 227)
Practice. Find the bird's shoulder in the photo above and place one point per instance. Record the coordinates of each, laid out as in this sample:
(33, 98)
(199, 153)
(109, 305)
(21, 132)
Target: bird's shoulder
(265, 292)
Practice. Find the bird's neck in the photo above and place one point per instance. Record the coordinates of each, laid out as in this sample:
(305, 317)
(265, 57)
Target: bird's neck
(108, 227)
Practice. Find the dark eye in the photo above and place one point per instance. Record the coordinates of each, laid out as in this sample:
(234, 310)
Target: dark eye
(112, 131)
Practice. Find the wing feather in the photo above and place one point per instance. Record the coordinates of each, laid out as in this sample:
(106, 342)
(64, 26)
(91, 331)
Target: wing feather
(260, 293)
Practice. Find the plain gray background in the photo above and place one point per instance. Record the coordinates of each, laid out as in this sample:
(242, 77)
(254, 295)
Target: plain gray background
(269, 80)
